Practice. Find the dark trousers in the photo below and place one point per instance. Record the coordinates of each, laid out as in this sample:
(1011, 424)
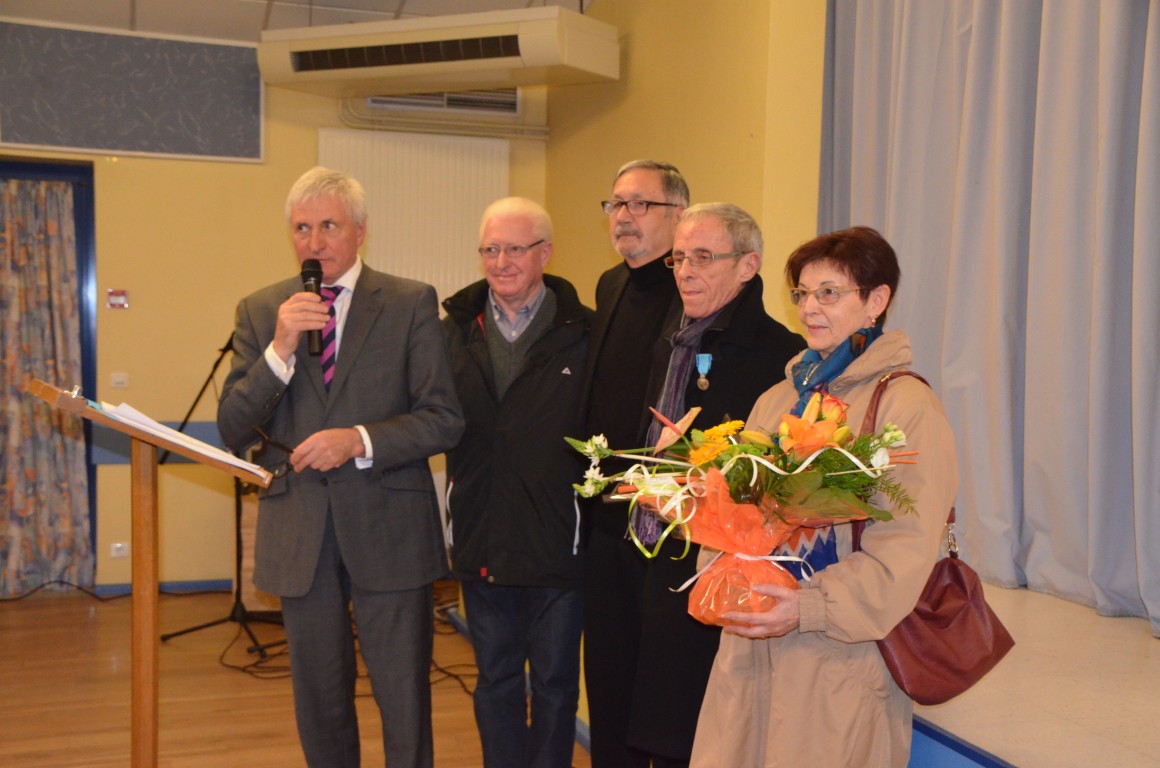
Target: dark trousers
(539, 627)
(646, 661)
(614, 581)
(395, 635)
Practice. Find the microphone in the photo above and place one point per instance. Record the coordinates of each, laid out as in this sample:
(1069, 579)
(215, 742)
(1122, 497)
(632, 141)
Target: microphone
(312, 283)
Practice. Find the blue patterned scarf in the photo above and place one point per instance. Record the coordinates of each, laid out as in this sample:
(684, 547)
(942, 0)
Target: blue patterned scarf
(813, 374)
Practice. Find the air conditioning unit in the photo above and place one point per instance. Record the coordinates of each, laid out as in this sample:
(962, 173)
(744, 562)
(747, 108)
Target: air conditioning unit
(547, 45)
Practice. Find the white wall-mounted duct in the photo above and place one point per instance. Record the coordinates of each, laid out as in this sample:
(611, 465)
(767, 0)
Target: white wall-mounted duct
(547, 45)
(494, 101)
(515, 113)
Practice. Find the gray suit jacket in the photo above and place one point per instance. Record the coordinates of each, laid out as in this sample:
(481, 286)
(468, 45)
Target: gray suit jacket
(392, 377)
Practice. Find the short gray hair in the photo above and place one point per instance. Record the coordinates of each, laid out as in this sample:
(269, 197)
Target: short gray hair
(742, 228)
(676, 190)
(519, 206)
(323, 182)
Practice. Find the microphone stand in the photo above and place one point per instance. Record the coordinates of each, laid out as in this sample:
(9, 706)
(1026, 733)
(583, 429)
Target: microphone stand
(229, 347)
(238, 612)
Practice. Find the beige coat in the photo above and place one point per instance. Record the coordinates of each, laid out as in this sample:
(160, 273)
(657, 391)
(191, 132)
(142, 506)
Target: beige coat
(821, 695)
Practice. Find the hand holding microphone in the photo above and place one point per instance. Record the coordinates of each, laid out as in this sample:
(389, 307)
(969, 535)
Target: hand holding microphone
(312, 283)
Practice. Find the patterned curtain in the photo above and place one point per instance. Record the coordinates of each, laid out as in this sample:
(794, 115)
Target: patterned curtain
(44, 515)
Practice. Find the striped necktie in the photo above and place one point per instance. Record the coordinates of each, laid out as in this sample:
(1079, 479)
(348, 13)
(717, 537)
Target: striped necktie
(329, 336)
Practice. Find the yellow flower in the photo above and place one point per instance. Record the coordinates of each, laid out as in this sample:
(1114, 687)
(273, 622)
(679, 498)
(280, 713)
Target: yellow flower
(813, 408)
(756, 437)
(722, 431)
(706, 452)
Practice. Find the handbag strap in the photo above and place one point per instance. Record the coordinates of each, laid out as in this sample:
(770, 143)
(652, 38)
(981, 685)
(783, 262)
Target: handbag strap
(869, 424)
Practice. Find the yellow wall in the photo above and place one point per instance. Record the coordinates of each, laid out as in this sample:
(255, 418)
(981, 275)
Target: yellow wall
(187, 239)
(729, 91)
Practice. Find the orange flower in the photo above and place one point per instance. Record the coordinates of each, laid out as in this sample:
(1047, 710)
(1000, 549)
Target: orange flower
(801, 438)
(821, 425)
(832, 409)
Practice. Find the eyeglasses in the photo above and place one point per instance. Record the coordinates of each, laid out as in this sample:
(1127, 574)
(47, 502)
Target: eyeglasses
(278, 470)
(635, 207)
(825, 295)
(512, 251)
(698, 258)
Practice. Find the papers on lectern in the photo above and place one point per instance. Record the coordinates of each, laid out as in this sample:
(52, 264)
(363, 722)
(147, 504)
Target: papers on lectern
(127, 414)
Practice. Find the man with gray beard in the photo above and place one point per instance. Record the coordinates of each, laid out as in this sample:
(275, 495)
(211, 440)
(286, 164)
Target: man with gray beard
(634, 300)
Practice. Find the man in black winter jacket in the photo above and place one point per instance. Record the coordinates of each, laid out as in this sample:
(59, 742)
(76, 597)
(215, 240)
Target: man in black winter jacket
(518, 341)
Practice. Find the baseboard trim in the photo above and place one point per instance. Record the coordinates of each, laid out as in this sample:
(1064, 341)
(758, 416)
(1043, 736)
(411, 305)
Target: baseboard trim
(167, 587)
(957, 745)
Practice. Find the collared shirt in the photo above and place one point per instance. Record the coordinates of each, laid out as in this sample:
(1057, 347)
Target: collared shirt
(512, 330)
(342, 304)
(285, 371)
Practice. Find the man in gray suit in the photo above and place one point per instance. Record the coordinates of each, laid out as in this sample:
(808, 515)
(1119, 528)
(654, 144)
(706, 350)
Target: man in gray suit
(351, 517)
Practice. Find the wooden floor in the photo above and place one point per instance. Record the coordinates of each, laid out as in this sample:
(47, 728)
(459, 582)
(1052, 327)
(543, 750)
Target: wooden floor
(64, 690)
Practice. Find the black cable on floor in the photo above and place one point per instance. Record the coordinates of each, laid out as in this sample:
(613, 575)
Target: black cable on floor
(62, 583)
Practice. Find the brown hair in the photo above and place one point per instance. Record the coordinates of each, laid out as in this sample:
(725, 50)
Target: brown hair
(860, 252)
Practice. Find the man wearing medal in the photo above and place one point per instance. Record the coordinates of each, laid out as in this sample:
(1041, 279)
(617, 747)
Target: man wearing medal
(720, 354)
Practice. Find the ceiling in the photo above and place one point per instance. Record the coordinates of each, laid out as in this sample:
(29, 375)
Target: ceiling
(242, 20)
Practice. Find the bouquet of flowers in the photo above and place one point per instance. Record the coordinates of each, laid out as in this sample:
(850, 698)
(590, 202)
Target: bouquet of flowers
(746, 492)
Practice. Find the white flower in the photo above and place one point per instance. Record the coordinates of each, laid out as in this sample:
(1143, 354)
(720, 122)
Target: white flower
(595, 448)
(892, 436)
(593, 473)
(594, 481)
(880, 459)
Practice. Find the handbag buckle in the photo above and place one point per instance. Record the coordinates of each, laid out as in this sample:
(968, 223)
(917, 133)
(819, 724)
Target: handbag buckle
(952, 544)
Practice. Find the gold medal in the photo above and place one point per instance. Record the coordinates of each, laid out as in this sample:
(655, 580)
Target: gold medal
(704, 363)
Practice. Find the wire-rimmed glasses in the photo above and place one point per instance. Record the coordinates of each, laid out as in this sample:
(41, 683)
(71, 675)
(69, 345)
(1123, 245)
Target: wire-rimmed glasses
(827, 294)
(511, 251)
(698, 257)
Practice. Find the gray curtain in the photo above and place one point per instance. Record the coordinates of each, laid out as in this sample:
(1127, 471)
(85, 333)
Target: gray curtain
(1010, 151)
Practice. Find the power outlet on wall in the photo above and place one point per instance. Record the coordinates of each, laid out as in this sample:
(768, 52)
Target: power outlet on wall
(119, 549)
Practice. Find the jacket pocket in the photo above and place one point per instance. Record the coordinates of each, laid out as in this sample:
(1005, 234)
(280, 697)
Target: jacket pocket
(409, 478)
(278, 486)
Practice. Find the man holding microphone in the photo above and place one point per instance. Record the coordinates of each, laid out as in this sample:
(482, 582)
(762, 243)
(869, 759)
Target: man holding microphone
(351, 518)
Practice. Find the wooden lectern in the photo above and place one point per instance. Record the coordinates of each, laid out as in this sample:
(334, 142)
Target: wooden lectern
(143, 470)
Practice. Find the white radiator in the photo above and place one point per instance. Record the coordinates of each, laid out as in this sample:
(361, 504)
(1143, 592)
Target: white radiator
(425, 194)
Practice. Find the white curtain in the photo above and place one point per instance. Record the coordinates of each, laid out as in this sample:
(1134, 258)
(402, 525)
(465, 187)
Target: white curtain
(1010, 151)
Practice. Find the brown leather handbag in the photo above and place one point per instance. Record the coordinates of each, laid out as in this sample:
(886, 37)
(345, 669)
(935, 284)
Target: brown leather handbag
(952, 637)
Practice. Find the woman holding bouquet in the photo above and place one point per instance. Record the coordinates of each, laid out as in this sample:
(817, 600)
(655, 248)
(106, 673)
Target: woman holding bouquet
(804, 683)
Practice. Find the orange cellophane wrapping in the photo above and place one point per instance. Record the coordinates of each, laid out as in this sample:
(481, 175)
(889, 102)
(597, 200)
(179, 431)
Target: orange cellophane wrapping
(749, 529)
